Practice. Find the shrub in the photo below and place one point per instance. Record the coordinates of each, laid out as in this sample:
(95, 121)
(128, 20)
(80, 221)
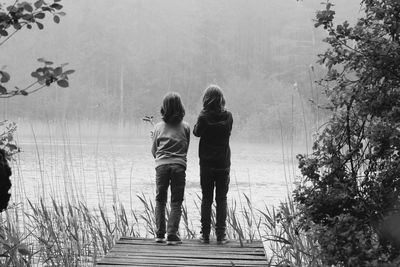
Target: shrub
(350, 194)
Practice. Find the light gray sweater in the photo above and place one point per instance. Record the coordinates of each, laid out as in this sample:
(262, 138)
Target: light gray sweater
(170, 143)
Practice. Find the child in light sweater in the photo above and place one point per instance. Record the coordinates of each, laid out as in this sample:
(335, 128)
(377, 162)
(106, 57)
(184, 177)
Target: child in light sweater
(170, 144)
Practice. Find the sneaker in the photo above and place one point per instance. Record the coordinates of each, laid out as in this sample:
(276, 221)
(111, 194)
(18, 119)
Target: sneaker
(173, 240)
(222, 240)
(160, 239)
(204, 239)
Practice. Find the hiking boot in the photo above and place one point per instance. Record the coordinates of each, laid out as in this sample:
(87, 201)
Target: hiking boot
(204, 239)
(173, 240)
(222, 240)
(160, 239)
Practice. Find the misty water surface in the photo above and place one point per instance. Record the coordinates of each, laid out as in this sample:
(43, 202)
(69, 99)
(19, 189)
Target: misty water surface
(115, 169)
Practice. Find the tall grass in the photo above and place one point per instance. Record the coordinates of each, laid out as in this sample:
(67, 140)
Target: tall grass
(74, 235)
(67, 234)
(286, 244)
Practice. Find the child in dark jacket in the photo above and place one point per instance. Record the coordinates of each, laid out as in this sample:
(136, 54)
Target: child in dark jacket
(214, 126)
(171, 139)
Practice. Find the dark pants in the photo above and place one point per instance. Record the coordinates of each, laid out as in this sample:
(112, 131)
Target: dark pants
(211, 178)
(173, 174)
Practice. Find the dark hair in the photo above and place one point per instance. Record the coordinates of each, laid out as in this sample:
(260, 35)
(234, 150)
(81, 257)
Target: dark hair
(213, 99)
(172, 109)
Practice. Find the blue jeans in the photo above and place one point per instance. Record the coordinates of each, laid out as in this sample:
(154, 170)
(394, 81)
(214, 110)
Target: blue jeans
(211, 178)
(174, 175)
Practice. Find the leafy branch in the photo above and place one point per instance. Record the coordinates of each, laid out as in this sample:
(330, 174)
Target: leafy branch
(7, 142)
(45, 76)
(21, 15)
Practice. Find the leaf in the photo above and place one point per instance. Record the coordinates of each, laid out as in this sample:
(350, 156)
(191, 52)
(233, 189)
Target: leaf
(38, 4)
(28, 7)
(11, 146)
(41, 59)
(62, 13)
(49, 62)
(57, 71)
(63, 83)
(3, 33)
(28, 17)
(39, 70)
(29, 26)
(40, 15)
(56, 6)
(40, 25)
(23, 92)
(5, 77)
(3, 90)
(17, 26)
(35, 74)
(68, 72)
(11, 8)
(56, 19)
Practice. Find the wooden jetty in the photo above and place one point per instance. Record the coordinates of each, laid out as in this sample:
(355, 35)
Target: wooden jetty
(145, 252)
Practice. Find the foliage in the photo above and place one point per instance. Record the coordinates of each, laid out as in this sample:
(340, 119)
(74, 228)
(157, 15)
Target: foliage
(7, 142)
(5, 183)
(350, 194)
(14, 18)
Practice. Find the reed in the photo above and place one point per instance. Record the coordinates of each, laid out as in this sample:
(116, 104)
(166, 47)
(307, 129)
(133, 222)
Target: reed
(74, 235)
(70, 234)
(286, 244)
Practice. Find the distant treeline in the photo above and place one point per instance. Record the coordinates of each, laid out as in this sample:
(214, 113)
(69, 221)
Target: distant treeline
(128, 54)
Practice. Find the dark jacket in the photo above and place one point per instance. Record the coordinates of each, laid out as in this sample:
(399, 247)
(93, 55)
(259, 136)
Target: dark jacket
(214, 130)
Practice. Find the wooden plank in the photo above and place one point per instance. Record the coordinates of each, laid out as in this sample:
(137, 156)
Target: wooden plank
(190, 256)
(159, 264)
(145, 252)
(183, 248)
(188, 252)
(169, 265)
(179, 259)
(178, 262)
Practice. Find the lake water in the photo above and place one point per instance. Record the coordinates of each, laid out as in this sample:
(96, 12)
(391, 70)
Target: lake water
(102, 171)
